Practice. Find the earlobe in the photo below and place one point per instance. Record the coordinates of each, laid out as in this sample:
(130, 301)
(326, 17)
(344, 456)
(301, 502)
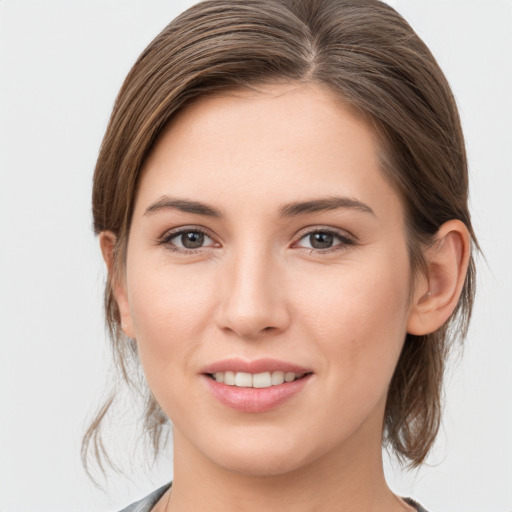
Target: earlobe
(108, 245)
(437, 293)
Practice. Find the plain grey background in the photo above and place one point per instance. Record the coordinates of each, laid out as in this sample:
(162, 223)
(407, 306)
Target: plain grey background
(61, 65)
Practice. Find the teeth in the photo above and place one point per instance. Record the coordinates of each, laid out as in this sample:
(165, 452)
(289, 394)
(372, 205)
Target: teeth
(289, 376)
(277, 378)
(229, 378)
(262, 380)
(256, 380)
(243, 380)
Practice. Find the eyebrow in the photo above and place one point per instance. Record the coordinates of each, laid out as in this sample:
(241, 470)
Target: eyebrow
(184, 205)
(323, 204)
(294, 209)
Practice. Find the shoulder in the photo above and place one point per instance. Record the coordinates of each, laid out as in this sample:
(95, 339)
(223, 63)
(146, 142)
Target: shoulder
(147, 503)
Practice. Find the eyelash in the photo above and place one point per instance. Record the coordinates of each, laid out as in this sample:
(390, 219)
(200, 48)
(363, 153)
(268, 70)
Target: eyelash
(169, 236)
(344, 240)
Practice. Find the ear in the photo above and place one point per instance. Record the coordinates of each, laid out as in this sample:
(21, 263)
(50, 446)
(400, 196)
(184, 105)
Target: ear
(437, 293)
(108, 247)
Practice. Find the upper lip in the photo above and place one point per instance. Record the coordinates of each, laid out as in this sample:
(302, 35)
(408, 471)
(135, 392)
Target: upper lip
(256, 366)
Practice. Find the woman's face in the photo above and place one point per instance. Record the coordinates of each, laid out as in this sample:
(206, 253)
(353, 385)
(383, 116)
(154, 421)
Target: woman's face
(265, 240)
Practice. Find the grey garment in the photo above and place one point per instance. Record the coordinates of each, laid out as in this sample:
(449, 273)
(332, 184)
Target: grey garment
(417, 506)
(146, 504)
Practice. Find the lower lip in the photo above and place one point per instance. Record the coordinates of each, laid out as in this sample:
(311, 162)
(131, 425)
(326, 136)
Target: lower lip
(255, 399)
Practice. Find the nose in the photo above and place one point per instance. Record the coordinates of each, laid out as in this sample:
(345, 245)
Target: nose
(253, 300)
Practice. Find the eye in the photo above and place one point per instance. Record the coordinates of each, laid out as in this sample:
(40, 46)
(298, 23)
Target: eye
(324, 240)
(186, 240)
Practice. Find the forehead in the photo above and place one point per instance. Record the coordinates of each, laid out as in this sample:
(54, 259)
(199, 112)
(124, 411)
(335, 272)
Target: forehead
(279, 144)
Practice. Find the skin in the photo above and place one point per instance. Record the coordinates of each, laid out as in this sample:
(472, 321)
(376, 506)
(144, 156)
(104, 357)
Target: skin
(257, 289)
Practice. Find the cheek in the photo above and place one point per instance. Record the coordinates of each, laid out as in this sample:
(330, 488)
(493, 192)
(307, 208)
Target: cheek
(358, 317)
(170, 308)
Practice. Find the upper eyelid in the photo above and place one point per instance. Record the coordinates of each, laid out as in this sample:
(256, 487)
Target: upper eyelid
(171, 233)
(343, 233)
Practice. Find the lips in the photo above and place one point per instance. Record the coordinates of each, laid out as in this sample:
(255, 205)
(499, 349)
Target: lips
(255, 386)
(257, 366)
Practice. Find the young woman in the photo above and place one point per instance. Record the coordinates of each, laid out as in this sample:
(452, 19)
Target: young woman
(281, 202)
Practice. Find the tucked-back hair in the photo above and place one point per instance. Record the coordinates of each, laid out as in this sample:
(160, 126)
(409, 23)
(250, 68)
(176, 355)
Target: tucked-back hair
(370, 57)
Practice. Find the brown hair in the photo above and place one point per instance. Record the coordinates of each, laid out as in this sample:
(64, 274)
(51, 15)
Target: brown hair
(371, 58)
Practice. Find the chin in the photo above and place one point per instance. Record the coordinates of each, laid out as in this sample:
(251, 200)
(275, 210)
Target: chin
(256, 464)
(256, 457)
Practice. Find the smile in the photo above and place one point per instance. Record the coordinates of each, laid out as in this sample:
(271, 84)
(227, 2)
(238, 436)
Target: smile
(256, 380)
